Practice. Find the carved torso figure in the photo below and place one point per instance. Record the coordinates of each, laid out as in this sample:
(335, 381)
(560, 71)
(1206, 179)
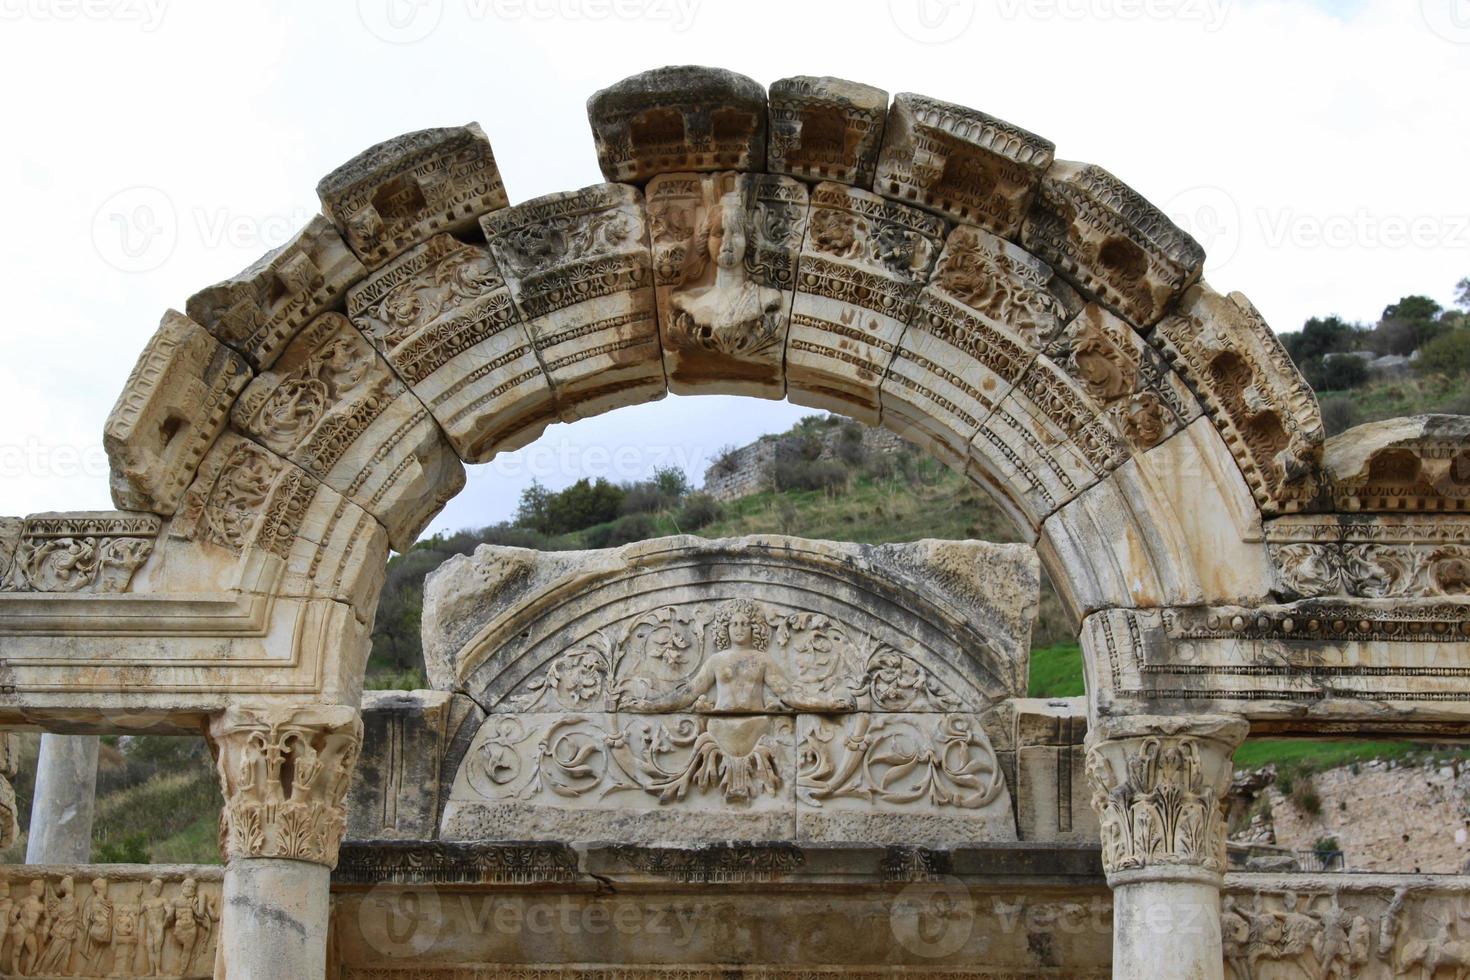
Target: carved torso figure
(717, 307)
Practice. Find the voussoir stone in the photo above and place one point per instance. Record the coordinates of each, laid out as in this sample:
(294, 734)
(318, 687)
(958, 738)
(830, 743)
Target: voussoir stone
(1419, 464)
(961, 163)
(258, 311)
(826, 129)
(396, 194)
(174, 404)
(1111, 242)
(444, 318)
(725, 249)
(863, 263)
(331, 405)
(579, 268)
(678, 119)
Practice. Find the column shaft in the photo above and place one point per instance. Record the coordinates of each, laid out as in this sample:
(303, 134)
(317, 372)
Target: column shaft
(65, 800)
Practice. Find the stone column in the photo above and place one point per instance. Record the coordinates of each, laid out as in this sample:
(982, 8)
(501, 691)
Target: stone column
(1158, 786)
(285, 772)
(9, 766)
(66, 795)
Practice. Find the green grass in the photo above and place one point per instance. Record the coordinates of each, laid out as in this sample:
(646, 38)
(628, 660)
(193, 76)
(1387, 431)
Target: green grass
(1378, 400)
(1310, 754)
(1056, 672)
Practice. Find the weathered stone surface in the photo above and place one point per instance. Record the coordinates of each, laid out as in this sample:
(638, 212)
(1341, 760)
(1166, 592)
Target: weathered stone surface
(826, 129)
(331, 405)
(1110, 242)
(1385, 556)
(961, 163)
(173, 406)
(111, 920)
(1052, 796)
(413, 742)
(258, 312)
(1128, 380)
(1180, 528)
(679, 118)
(443, 317)
(84, 551)
(248, 503)
(401, 191)
(1419, 464)
(579, 267)
(9, 767)
(277, 919)
(725, 249)
(1246, 381)
(862, 266)
(976, 328)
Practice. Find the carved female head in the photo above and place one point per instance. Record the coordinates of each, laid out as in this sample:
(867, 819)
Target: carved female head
(740, 623)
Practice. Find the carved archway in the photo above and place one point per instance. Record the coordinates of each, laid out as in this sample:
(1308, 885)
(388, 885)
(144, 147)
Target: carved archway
(1034, 322)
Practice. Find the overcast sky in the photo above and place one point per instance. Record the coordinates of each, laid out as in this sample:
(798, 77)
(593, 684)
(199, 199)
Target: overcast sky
(1318, 150)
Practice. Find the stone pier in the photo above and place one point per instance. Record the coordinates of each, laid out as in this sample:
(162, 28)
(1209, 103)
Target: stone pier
(66, 792)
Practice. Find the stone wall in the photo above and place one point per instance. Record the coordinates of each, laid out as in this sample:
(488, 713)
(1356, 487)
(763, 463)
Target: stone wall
(750, 469)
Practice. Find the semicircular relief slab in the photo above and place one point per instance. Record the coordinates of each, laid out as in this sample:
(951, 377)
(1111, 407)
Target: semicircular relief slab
(737, 689)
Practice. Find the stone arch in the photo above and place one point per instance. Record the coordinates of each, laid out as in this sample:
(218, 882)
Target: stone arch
(1031, 321)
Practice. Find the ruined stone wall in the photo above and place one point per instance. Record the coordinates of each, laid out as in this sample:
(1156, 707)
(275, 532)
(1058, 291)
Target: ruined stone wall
(749, 469)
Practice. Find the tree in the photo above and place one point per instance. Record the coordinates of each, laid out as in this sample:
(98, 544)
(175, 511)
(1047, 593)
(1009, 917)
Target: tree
(1407, 325)
(1447, 354)
(1321, 336)
(534, 509)
(1339, 372)
(1413, 308)
(1462, 294)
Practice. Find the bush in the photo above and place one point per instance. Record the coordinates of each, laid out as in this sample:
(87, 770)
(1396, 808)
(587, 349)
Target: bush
(624, 530)
(1338, 415)
(1447, 354)
(810, 474)
(132, 849)
(1336, 373)
(699, 510)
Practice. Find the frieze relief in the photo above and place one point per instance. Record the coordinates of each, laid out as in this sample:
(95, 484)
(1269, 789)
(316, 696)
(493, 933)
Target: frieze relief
(725, 249)
(100, 923)
(826, 129)
(95, 552)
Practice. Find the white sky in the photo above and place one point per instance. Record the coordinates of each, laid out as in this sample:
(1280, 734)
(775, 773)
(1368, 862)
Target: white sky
(1319, 150)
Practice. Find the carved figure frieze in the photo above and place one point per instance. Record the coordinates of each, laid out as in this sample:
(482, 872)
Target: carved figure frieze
(396, 194)
(738, 657)
(96, 552)
(109, 926)
(285, 772)
(826, 129)
(725, 249)
(961, 163)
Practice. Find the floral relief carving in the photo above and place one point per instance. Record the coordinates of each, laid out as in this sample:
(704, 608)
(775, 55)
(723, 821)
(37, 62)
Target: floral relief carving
(285, 774)
(84, 552)
(946, 760)
(1159, 794)
(1373, 571)
(980, 272)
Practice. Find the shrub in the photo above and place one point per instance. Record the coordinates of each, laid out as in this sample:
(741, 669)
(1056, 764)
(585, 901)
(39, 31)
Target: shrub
(699, 510)
(1447, 354)
(1336, 373)
(810, 474)
(624, 530)
(132, 849)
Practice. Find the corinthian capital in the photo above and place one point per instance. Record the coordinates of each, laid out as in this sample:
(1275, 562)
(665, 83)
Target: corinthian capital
(285, 771)
(1158, 786)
